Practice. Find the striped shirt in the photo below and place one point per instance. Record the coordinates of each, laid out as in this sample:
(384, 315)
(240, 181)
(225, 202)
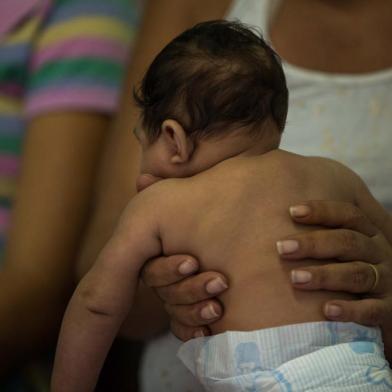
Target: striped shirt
(54, 55)
(63, 54)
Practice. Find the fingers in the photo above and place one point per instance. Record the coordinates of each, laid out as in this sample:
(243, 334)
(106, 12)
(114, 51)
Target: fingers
(186, 296)
(163, 271)
(370, 312)
(184, 332)
(193, 289)
(355, 277)
(191, 321)
(172, 279)
(195, 315)
(339, 244)
(333, 214)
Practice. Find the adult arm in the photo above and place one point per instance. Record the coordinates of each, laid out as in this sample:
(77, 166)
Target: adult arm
(59, 159)
(162, 21)
(71, 87)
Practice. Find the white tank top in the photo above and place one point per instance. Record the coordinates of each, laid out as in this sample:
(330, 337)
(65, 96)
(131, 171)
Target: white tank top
(340, 116)
(345, 117)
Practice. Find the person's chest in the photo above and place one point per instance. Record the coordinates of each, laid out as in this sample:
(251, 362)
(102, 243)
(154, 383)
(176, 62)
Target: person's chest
(321, 36)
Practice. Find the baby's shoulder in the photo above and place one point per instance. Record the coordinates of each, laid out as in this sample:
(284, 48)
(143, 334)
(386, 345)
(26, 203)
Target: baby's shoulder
(167, 197)
(291, 162)
(162, 192)
(282, 171)
(333, 169)
(325, 174)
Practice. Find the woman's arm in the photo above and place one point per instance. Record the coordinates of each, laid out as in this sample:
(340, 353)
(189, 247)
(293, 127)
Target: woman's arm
(73, 74)
(52, 203)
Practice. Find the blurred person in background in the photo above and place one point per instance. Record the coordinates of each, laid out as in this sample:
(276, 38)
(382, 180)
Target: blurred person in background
(61, 66)
(339, 71)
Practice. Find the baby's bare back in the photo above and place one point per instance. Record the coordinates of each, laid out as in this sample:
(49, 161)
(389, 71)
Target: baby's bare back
(230, 218)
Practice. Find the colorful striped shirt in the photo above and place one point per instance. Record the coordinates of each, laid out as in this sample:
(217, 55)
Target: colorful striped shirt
(55, 55)
(63, 54)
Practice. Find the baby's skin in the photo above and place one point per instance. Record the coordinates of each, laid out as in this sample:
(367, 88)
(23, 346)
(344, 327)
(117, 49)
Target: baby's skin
(229, 217)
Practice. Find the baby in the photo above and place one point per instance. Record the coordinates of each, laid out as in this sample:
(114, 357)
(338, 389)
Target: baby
(214, 104)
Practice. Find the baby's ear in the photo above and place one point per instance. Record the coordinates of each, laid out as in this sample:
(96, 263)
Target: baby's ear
(178, 143)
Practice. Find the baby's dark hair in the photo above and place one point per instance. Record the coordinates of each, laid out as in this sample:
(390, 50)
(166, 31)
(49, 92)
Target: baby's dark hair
(211, 78)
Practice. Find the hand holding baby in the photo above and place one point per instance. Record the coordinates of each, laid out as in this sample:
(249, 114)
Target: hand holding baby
(349, 237)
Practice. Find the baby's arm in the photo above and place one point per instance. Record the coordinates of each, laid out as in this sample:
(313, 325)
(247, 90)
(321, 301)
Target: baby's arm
(103, 298)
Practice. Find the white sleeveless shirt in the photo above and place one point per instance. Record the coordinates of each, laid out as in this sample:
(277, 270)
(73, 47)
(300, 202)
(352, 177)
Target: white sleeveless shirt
(340, 116)
(344, 117)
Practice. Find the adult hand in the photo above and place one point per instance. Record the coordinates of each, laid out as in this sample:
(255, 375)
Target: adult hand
(363, 261)
(188, 296)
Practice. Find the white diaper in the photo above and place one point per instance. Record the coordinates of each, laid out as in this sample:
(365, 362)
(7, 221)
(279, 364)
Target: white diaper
(321, 356)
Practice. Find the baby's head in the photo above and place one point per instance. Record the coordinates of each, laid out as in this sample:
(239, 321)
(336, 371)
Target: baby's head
(214, 92)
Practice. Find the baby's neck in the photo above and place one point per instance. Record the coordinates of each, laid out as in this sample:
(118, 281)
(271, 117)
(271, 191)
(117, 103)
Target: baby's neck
(209, 152)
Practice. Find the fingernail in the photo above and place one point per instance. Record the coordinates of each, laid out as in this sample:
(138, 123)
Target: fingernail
(198, 334)
(333, 310)
(300, 276)
(299, 211)
(187, 267)
(216, 286)
(208, 312)
(287, 246)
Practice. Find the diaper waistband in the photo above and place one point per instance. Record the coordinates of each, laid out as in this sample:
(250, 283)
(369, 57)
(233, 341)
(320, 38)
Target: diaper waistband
(279, 344)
